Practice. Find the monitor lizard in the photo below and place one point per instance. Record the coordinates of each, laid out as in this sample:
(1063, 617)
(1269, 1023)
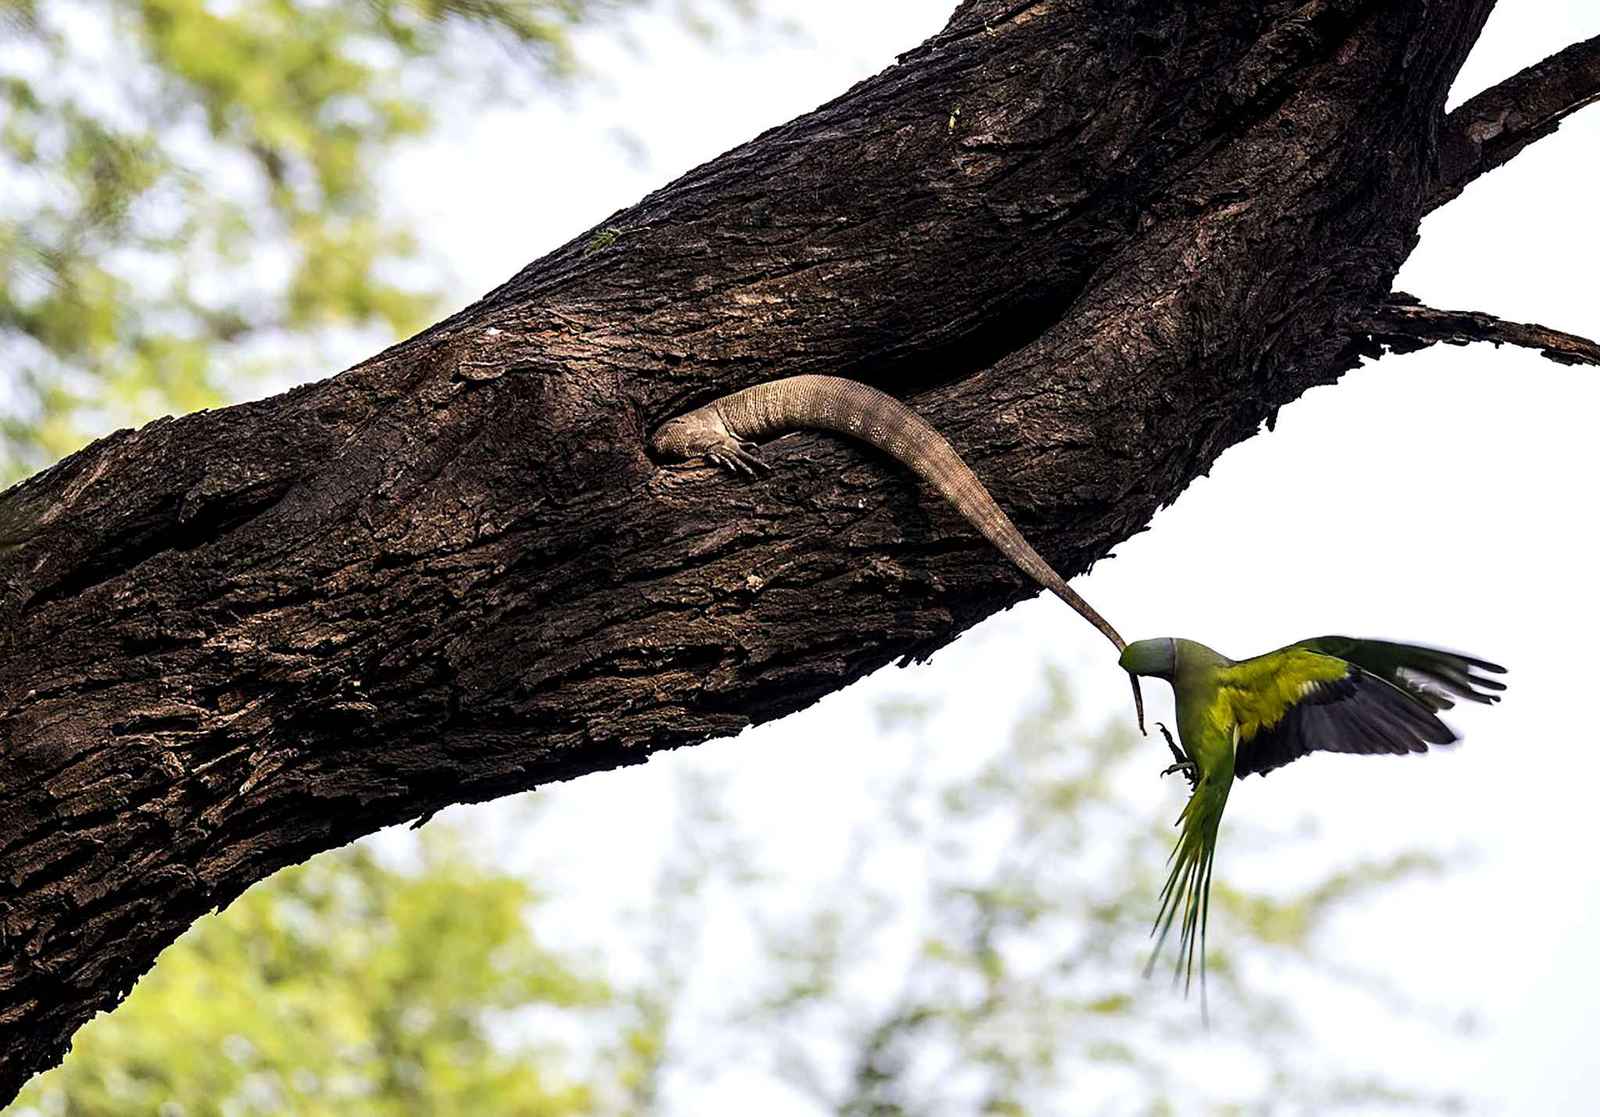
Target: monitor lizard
(725, 432)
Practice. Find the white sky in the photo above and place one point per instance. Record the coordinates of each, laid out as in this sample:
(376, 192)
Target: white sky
(1444, 497)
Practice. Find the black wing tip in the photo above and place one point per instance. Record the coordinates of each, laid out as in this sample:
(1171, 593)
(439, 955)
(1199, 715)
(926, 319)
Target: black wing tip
(1400, 711)
(1479, 688)
(1426, 651)
(1362, 714)
(1435, 675)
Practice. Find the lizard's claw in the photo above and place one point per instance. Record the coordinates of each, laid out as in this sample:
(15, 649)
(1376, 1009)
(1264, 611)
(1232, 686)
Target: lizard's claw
(738, 457)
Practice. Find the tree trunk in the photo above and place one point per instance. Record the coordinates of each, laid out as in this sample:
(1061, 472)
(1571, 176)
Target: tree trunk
(1095, 243)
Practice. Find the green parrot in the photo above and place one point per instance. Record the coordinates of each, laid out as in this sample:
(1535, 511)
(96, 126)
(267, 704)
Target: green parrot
(1330, 694)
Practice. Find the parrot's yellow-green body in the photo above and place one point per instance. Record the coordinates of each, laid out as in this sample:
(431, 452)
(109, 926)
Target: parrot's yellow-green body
(1332, 694)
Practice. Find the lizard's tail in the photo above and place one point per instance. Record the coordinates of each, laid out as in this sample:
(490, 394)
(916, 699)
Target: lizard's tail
(861, 411)
(943, 468)
(1056, 586)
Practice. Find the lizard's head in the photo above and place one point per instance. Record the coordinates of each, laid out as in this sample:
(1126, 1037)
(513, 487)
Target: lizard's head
(688, 436)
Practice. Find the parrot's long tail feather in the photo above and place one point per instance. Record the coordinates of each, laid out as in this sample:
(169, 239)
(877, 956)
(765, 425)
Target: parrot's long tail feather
(1186, 896)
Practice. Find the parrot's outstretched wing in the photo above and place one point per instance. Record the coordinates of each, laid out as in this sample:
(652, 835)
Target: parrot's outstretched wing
(1298, 700)
(1432, 676)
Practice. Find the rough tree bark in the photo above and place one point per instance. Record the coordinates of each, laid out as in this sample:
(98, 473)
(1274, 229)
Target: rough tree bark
(1095, 242)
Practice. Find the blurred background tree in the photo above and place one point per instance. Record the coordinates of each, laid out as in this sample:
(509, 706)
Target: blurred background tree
(979, 952)
(191, 205)
(341, 986)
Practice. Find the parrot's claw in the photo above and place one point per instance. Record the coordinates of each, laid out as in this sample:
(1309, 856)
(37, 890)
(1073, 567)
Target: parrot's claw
(1177, 753)
(1190, 770)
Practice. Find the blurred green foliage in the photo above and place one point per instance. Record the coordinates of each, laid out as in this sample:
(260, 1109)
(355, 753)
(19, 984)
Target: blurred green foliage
(979, 950)
(341, 987)
(190, 194)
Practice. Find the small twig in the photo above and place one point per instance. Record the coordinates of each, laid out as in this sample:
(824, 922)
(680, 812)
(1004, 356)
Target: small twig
(1403, 325)
(1491, 128)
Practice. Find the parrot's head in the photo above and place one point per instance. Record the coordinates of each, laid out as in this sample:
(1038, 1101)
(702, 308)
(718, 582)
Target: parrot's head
(1156, 658)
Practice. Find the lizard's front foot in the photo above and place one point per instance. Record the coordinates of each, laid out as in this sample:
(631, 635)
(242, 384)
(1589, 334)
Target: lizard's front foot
(738, 457)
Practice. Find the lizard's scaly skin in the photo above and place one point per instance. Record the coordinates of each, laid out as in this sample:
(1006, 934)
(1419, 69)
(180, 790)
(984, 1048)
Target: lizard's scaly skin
(724, 429)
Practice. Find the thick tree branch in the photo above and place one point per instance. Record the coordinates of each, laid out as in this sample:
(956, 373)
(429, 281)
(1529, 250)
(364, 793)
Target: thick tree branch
(1403, 325)
(1494, 126)
(233, 639)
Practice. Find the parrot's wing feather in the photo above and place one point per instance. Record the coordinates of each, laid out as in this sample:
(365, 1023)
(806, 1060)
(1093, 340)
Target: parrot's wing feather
(1296, 701)
(1433, 676)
